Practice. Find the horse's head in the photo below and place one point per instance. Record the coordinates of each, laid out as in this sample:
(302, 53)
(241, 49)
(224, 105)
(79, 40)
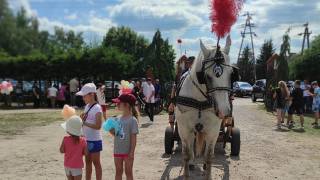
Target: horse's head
(213, 69)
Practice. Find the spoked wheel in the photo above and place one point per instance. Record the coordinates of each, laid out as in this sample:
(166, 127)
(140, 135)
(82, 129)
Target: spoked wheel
(235, 141)
(168, 140)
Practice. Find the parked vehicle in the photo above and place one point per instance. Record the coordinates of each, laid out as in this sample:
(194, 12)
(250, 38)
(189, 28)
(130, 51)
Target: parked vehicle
(112, 89)
(242, 89)
(259, 90)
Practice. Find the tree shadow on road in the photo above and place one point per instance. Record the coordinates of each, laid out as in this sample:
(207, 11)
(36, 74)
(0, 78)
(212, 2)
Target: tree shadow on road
(174, 169)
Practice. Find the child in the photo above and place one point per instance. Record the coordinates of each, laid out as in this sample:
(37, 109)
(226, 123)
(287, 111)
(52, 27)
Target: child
(297, 104)
(316, 102)
(125, 140)
(73, 147)
(281, 95)
(92, 120)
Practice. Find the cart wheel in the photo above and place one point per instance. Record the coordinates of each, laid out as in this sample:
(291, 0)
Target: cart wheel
(235, 142)
(168, 140)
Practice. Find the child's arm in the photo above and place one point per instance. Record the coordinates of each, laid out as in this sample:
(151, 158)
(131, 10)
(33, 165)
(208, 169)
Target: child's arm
(62, 146)
(133, 140)
(112, 132)
(85, 151)
(98, 124)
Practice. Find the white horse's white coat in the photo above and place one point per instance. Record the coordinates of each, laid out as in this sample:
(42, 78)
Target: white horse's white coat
(187, 117)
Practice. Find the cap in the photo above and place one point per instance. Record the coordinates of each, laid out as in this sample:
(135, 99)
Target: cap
(86, 89)
(148, 79)
(314, 82)
(125, 98)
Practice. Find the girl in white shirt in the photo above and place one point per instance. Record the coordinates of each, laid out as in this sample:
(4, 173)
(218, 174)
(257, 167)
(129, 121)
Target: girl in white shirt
(92, 120)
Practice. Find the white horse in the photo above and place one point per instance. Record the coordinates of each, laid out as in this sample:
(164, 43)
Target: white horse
(203, 123)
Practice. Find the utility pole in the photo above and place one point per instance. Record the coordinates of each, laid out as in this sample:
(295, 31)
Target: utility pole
(248, 27)
(306, 35)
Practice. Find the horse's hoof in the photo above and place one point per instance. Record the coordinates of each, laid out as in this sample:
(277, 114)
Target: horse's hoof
(204, 166)
(191, 167)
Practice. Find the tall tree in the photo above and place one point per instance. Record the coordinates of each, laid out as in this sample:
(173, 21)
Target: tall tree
(283, 68)
(307, 66)
(7, 27)
(160, 57)
(126, 40)
(266, 52)
(246, 66)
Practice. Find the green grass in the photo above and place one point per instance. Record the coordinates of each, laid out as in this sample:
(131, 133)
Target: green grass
(308, 120)
(308, 129)
(13, 124)
(16, 124)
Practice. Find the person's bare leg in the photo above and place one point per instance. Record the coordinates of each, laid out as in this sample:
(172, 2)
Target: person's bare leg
(69, 177)
(97, 164)
(88, 167)
(301, 120)
(77, 177)
(289, 119)
(316, 117)
(128, 168)
(118, 162)
(278, 117)
(283, 114)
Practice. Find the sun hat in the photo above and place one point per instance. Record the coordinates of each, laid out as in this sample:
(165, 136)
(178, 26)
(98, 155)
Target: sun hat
(73, 126)
(86, 89)
(125, 98)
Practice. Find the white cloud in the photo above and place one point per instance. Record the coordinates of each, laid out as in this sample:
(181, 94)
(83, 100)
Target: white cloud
(96, 25)
(17, 4)
(147, 15)
(72, 16)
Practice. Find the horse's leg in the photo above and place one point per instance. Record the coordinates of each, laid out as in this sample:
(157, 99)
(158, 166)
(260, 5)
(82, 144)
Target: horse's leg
(211, 140)
(208, 159)
(187, 152)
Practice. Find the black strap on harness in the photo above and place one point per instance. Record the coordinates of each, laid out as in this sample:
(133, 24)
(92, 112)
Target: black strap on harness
(190, 102)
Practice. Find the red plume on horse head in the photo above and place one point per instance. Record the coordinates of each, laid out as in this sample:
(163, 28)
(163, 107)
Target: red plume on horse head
(223, 15)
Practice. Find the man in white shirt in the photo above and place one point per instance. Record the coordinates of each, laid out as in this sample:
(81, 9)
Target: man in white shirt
(149, 92)
(101, 97)
(52, 95)
(74, 87)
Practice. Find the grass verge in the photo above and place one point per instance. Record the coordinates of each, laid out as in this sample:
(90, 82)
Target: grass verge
(15, 124)
(308, 120)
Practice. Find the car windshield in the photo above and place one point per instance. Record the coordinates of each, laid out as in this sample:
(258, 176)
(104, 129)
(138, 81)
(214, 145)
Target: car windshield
(245, 85)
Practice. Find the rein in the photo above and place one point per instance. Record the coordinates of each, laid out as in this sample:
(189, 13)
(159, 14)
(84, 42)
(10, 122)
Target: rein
(210, 102)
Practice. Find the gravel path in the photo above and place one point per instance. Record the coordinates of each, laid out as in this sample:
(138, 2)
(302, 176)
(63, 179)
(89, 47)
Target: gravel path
(265, 152)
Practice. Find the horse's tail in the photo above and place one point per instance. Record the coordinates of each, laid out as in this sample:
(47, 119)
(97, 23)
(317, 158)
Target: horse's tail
(200, 142)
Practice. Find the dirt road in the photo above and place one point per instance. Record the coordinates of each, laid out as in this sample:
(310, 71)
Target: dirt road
(265, 152)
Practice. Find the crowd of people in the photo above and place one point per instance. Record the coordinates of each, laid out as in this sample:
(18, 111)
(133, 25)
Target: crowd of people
(300, 99)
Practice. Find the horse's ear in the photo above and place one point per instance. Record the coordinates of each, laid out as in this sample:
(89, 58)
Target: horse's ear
(228, 44)
(204, 49)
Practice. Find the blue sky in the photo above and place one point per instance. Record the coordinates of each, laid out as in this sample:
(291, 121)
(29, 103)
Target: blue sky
(185, 19)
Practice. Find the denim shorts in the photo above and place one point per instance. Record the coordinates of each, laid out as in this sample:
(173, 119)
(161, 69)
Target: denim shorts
(94, 146)
(316, 107)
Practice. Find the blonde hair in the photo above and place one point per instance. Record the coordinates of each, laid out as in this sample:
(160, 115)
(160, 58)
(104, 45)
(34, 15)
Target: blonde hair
(284, 89)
